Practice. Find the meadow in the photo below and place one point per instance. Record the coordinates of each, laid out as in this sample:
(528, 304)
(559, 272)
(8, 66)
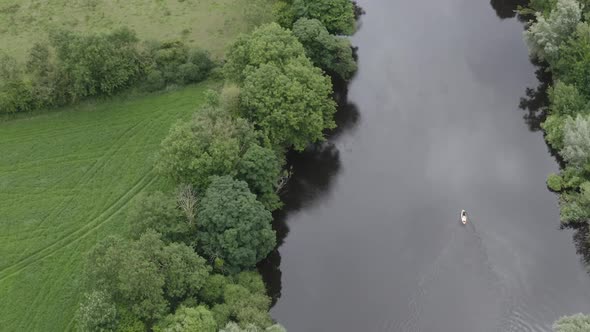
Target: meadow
(67, 178)
(209, 24)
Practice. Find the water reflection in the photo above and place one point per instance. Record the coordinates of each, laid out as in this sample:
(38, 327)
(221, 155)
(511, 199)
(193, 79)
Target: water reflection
(313, 173)
(507, 8)
(581, 238)
(535, 102)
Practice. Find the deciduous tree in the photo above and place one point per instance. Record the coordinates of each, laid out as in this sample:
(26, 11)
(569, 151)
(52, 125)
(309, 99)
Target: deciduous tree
(233, 225)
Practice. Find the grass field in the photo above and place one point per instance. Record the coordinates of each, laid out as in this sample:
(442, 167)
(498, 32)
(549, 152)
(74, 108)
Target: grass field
(206, 23)
(66, 180)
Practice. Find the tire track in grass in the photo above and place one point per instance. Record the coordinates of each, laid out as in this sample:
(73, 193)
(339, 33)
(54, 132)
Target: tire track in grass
(82, 232)
(96, 166)
(88, 175)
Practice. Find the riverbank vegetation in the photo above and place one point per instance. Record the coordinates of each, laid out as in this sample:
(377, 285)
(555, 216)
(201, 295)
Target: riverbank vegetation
(194, 218)
(559, 35)
(198, 245)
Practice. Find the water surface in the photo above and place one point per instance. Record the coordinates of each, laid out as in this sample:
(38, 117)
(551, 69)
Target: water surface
(371, 239)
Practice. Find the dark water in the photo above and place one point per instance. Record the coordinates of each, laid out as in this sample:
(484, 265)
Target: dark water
(371, 233)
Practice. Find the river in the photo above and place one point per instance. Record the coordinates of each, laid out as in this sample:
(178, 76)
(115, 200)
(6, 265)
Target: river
(370, 236)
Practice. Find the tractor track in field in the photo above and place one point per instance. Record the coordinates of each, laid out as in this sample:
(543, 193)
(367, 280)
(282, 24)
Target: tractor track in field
(94, 222)
(82, 232)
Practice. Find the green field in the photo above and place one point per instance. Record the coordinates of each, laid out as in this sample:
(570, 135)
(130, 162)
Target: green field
(66, 179)
(209, 24)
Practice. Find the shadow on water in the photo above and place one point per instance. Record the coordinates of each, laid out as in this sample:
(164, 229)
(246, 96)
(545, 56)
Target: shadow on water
(314, 171)
(507, 8)
(535, 102)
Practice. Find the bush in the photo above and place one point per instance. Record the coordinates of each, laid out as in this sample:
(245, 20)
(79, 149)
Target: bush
(99, 64)
(175, 63)
(555, 182)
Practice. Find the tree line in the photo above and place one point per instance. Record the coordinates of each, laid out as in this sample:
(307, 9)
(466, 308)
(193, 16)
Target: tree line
(188, 261)
(71, 67)
(559, 35)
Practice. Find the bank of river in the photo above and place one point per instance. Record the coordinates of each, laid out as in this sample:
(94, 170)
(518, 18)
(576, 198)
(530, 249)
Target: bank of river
(371, 236)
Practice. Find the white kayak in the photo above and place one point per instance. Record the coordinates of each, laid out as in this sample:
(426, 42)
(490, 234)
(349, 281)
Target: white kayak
(464, 217)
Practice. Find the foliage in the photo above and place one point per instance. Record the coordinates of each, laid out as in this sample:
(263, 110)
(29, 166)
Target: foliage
(212, 143)
(175, 63)
(575, 206)
(331, 53)
(555, 182)
(266, 44)
(97, 64)
(75, 66)
(545, 36)
(157, 211)
(187, 319)
(573, 65)
(215, 143)
(229, 99)
(233, 327)
(338, 16)
(553, 127)
(145, 275)
(291, 104)
(233, 225)
(212, 291)
(565, 99)
(128, 322)
(576, 140)
(260, 168)
(575, 323)
(243, 300)
(97, 313)
(96, 158)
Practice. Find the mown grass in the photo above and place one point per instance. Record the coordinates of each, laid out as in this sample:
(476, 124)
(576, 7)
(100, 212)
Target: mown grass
(67, 178)
(209, 24)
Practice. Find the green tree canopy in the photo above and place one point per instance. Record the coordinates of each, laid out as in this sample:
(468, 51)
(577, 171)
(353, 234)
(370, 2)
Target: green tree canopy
(573, 65)
(291, 104)
(97, 64)
(545, 36)
(269, 43)
(565, 99)
(216, 143)
(157, 211)
(244, 301)
(97, 312)
(212, 143)
(575, 323)
(331, 53)
(233, 225)
(260, 168)
(187, 319)
(576, 140)
(336, 15)
(145, 275)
